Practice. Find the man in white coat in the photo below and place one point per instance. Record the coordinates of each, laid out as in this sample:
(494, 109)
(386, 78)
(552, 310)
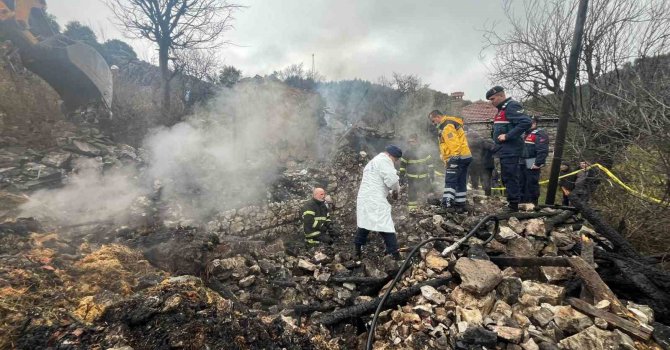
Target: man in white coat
(373, 211)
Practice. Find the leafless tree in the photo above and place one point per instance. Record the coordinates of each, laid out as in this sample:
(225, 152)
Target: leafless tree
(174, 26)
(200, 64)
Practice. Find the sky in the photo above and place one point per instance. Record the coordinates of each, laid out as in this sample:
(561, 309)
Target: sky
(438, 40)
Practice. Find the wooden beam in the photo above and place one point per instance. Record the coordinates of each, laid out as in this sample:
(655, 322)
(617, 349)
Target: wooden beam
(595, 284)
(505, 261)
(642, 332)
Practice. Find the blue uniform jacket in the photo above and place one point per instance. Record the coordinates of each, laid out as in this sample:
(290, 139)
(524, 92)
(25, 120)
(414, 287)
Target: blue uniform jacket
(511, 121)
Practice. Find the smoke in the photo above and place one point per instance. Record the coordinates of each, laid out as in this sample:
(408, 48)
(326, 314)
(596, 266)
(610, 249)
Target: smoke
(226, 155)
(90, 195)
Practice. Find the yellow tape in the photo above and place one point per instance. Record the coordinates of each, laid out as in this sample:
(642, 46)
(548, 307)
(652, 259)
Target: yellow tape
(611, 176)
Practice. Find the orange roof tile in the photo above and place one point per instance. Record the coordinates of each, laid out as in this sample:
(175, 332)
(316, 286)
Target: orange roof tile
(477, 112)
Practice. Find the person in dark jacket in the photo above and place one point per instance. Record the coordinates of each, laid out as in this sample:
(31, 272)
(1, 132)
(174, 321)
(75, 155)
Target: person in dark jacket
(316, 219)
(482, 166)
(416, 166)
(535, 151)
(509, 125)
(566, 183)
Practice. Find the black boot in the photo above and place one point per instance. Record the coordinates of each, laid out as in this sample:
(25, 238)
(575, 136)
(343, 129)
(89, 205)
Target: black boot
(358, 252)
(396, 256)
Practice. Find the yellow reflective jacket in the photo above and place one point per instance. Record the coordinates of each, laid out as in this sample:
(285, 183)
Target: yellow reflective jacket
(453, 142)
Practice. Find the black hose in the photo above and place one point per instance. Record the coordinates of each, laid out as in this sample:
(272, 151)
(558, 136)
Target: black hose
(408, 260)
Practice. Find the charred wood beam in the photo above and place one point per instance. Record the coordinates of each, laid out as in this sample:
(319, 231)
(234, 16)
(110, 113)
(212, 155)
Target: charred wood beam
(558, 219)
(629, 327)
(506, 261)
(524, 215)
(369, 307)
(621, 244)
(599, 290)
(660, 277)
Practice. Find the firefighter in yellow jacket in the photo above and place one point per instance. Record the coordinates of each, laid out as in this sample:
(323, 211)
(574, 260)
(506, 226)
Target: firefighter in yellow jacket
(456, 155)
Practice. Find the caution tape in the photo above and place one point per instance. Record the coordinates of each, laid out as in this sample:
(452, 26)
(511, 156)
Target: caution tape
(610, 175)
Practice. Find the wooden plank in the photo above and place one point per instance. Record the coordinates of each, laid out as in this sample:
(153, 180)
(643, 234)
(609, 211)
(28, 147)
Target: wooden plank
(595, 284)
(587, 255)
(628, 327)
(505, 261)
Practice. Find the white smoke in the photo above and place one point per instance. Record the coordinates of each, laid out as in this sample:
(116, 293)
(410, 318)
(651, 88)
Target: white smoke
(225, 155)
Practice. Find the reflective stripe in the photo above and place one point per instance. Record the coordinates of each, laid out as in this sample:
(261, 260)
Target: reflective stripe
(308, 212)
(501, 122)
(448, 195)
(319, 218)
(460, 200)
(417, 176)
(312, 234)
(461, 193)
(418, 161)
(312, 241)
(449, 190)
(403, 169)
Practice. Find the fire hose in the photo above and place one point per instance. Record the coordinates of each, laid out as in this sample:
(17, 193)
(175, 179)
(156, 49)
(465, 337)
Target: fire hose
(405, 265)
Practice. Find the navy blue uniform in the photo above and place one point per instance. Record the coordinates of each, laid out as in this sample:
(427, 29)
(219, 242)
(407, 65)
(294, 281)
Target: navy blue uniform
(511, 121)
(536, 149)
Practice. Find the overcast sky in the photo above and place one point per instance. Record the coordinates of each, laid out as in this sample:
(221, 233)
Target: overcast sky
(438, 40)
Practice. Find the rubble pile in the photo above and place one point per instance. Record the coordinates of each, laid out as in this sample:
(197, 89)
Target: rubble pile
(27, 169)
(244, 280)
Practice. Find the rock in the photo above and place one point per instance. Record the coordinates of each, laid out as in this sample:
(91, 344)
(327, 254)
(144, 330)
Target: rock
(509, 290)
(592, 338)
(479, 336)
(247, 281)
(520, 247)
(643, 313)
(83, 148)
(372, 271)
(438, 220)
(510, 334)
(570, 320)
(625, 341)
(471, 316)
(321, 277)
(502, 308)
(56, 159)
(527, 206)
(562, 240)
(600, 323)
(506, 234)
(320, 257)
(325, 293)
(540, 316)
(435, 261)
(546, 293)
(306, 265)
(516, 225)
(547, 346)
(603, 305)
(349, 286)
(535, 227)
(433, 295)
(530, 345)
(556, 273)
(468, 300)
(478, 276)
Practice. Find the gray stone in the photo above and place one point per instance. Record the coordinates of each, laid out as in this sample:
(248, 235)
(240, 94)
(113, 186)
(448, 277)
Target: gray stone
(516, 225)
(468, 300)
(546, 293)
(306, 265)
(540, 316)
(247, 281)
(510, 334)
(520, 247)
(478, 276)
(435, 261)
(433, 295)
(592, 338)
(530, 345)
(570, 320)
(56, 159)
(509, 290)
(535, 227)
(506, 234)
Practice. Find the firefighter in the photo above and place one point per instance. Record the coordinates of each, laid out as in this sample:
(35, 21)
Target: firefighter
(535, 151)
(482, 166)
(416, 166)
(316, 219)
(455, 154)
(509, 125)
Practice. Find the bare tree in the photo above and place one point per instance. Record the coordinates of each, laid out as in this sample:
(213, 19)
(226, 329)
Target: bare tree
(200, 64)
(174, 26)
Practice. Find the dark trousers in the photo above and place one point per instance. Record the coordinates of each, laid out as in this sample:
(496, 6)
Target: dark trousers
(509, 173)
(456, 182)
(390, 239)
(481, 175)
(415, 188)
(530, 186)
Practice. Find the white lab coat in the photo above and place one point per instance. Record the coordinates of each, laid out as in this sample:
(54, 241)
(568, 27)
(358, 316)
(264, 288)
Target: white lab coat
(373, 211)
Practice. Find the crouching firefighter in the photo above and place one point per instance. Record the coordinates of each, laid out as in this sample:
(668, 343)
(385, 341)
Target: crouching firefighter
(316, 219)
(416, 166)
